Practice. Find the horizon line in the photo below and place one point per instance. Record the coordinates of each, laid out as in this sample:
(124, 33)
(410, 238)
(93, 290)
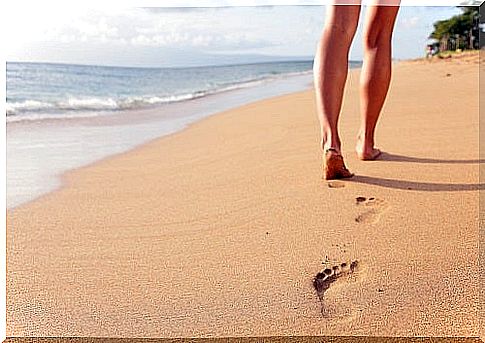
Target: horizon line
(298, 59)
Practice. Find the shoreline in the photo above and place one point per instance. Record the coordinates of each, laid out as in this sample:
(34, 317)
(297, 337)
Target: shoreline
(219, 229)
(147, 106)
(195, 109)
(65, 176)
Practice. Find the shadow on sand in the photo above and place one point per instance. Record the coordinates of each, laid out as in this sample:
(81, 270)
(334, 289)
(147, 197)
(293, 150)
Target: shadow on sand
(385, 156)
(417, 186)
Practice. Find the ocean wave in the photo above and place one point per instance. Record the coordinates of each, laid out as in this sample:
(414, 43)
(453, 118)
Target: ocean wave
(30, 109)
(73, 107)
(28, 105)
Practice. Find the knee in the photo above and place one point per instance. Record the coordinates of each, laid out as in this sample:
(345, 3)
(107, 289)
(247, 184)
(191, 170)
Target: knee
(377, 39)
(343, 31)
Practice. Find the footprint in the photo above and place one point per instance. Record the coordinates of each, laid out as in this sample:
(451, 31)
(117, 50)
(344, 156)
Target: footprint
(329, 275)
(372, 209)
(336, 184)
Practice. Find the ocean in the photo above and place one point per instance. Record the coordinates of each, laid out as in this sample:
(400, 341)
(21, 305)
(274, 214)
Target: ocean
(61, 117)
(38, 91)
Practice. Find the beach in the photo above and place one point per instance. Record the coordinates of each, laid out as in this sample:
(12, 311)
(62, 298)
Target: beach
(219, 229)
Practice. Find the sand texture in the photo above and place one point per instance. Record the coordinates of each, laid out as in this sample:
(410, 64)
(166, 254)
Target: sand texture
(219, 230)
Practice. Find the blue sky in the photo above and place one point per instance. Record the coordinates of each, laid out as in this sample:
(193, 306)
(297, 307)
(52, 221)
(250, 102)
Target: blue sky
(165, 37)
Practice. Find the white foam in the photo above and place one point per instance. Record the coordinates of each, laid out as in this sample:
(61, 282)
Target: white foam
(89, 103)
(15, 107)
(86, 107)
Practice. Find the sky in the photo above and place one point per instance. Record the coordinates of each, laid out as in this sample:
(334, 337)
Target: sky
(183, 36)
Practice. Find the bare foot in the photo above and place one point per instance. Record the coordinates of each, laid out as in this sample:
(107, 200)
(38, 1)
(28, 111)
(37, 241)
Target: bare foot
(365, 151)
(334, 166)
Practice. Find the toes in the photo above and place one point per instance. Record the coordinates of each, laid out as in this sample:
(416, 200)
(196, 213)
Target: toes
(364, 155)
(369, 157)
(376, 153)
(327, 276)
(344, 174)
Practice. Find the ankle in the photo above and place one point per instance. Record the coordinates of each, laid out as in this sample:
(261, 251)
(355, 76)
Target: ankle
(365, 140)
(330, 140)
(333, 148)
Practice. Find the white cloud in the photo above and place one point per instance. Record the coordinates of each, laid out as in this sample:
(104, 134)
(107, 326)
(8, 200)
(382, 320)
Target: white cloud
(409, 22)
(161, 28)
(205, 41)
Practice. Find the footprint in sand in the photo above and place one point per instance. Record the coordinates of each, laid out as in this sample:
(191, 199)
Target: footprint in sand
(331, 274)
(335, 184)
(372, 208)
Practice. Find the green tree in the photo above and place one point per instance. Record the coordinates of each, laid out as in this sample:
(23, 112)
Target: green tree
(462, 29)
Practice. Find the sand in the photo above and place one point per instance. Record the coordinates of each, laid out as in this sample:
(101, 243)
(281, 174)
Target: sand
(219, 230)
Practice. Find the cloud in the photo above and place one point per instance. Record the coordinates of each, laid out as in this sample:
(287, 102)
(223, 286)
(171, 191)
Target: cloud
(203, 41)
(409, 22)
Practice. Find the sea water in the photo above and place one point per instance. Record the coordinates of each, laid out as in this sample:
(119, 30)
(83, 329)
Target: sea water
(38, 91)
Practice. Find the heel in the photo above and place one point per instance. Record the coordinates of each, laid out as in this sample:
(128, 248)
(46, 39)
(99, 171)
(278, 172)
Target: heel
(334, 166)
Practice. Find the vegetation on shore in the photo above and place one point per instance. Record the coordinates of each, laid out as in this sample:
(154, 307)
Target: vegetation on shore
(460, 32)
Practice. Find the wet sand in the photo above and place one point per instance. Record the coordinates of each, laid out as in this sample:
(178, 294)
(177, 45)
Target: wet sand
(219, 230)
